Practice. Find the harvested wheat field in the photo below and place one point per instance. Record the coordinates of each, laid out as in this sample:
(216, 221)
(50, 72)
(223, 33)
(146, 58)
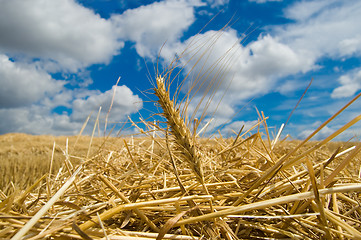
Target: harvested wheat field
(172, 184)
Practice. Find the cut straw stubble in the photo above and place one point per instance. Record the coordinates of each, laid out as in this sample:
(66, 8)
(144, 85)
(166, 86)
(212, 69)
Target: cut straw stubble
(46, 207)
(269, 203)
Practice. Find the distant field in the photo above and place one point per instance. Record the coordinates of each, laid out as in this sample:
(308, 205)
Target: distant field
(25, 158)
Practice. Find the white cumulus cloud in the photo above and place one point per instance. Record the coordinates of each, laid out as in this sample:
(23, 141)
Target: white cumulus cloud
(37, 120)
(323, 28)
(350, 84)
(325, 132)
(124, 104)
(61, 33)
(264, 1)
(150, 26)
(39, 38)
(24, 84)
(236, 72)
(41, 119)
(217, 3)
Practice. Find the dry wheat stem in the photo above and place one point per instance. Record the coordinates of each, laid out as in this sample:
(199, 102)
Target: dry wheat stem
(125, 199)
(154, 235)
(46, 207)
(130, 206)
(269, 203)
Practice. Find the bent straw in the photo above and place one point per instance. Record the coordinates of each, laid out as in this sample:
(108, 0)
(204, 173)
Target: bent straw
(46, 207)
(342, 165)
(318, 200)
(130, 206)
(149, 235)
(269, 203)
(285, 161)
(125, 199)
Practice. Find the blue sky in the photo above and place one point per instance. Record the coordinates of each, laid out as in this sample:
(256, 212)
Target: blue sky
(60, 61)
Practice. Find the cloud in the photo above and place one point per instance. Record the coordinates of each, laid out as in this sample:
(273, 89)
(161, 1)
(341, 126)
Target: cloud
(314, 109)
(305, 10)
(217, 3)
(231, 73)
(350, 45)
(323, 28)
(150, 26)
(289, 86)
(350, 84)
(41, 118)
(305, 131)
(124, 104)
(64, 37)
(261, 67)
(264, 1)
(24, 84)
(36, 120)
(317, 31)
(59, 34)
(324, 133)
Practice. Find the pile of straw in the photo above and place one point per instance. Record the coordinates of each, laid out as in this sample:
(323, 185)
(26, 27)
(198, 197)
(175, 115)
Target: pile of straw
(182, 187)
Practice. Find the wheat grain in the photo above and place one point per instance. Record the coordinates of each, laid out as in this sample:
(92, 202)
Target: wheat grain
(180, 131)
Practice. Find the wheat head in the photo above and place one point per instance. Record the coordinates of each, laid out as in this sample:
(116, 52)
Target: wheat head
(180, 131)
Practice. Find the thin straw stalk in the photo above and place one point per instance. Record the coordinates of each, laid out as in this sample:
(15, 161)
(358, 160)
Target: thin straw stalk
(130, 206)
(269, 203)
(286, 161)
(125, 199)
(46, 207)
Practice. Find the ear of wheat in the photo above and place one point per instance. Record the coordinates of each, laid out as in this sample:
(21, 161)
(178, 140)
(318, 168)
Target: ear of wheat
(182, 135)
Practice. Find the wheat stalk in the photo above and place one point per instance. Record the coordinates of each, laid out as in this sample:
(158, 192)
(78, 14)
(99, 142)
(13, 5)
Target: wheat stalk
(182, 135)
